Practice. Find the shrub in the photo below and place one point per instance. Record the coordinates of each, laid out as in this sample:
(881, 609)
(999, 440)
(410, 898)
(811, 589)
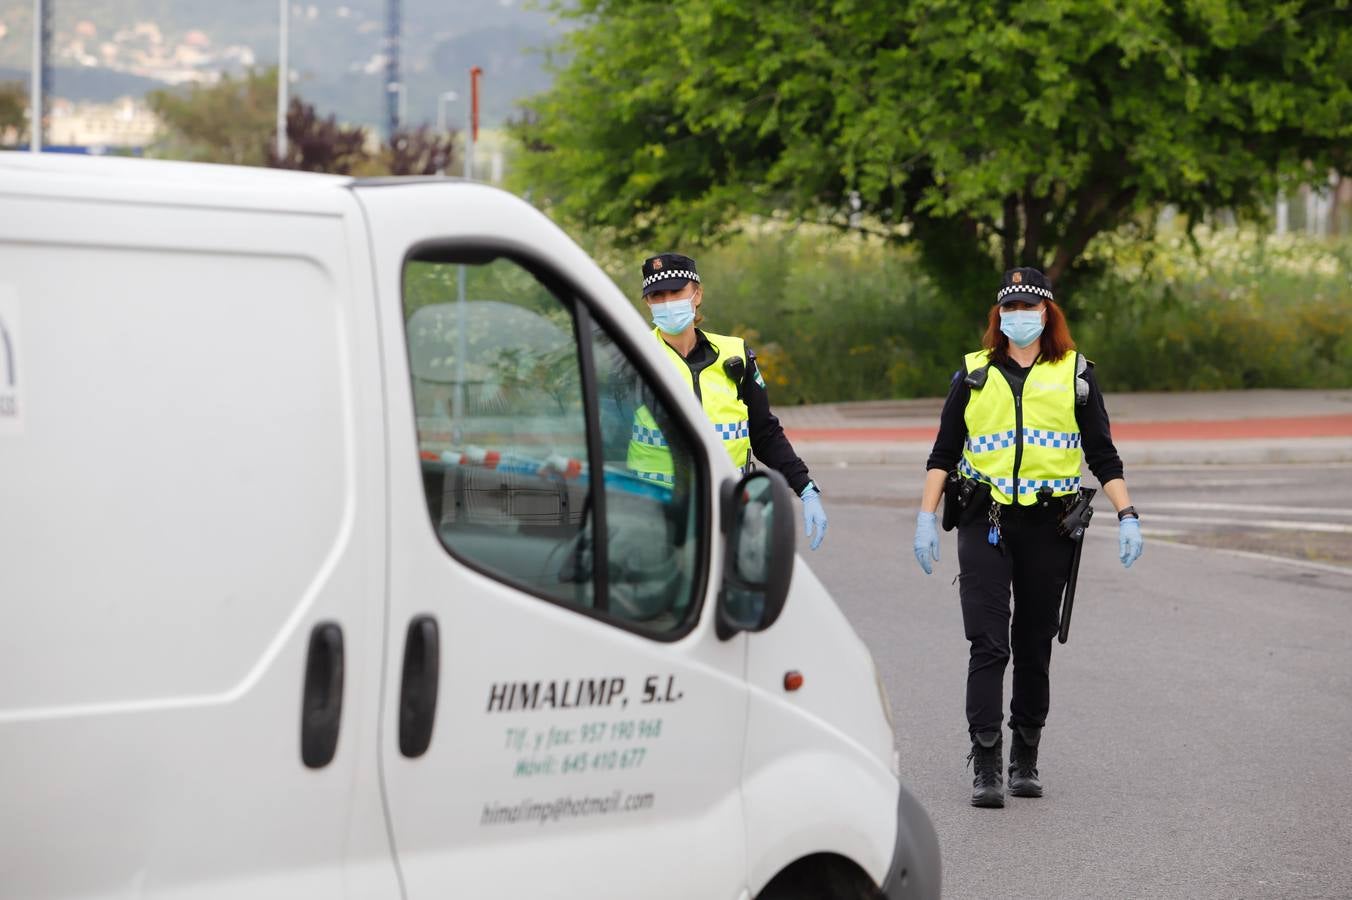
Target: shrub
(840, 317)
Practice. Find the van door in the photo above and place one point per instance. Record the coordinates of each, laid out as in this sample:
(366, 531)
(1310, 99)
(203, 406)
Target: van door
(191, 545)
(559, 717)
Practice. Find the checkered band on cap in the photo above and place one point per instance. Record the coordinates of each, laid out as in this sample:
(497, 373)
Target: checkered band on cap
(674, 273)
(1023, 289)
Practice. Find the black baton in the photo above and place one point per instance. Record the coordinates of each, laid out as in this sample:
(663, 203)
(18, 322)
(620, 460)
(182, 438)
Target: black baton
(1073, 526)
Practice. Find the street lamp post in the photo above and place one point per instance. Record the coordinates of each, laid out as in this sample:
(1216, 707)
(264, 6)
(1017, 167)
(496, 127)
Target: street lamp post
(442, 99)
(462, 342)
(283, 73)
(35, 84)
(401, 105)
(462, 317)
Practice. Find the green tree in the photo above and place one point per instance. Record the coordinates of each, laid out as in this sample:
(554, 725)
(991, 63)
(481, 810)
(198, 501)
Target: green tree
(232, 121)
(13, 109)
(991, 133)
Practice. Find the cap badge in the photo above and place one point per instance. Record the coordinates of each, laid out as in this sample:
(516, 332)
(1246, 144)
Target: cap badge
(657, 264)
(1017, 278)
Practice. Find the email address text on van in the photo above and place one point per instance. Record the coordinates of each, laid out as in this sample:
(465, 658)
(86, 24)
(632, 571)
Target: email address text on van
(571, 807)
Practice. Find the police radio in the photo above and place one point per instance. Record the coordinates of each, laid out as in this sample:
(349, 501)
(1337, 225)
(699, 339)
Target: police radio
(735, 369)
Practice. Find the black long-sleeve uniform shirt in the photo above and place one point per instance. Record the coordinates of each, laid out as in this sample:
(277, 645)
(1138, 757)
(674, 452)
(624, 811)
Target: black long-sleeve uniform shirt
(768, 441)
(1096, 437)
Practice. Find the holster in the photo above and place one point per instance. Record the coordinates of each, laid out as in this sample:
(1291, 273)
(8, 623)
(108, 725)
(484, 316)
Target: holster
(1077, 515)
(960, 495)
(952, 506)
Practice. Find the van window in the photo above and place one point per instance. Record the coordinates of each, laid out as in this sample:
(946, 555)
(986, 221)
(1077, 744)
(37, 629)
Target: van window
(499, 377)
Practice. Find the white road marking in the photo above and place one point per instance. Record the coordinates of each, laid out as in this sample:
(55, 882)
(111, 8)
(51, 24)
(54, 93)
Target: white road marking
(1265, 557)
(1254, 508)
(1259, 524)
(1237, 482)
(1219, 468)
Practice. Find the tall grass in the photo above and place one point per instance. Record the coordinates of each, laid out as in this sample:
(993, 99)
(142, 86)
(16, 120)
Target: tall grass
(1239, 310)
(837, 318)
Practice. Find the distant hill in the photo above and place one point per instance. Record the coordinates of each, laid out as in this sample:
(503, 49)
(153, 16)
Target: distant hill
(336, 49)
(95, 85)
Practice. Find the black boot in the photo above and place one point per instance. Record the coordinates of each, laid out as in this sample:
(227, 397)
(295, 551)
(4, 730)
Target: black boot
(1023, 780)
(988, 787)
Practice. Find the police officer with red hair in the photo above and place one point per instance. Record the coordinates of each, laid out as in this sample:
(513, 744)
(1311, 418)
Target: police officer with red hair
(1020, 416)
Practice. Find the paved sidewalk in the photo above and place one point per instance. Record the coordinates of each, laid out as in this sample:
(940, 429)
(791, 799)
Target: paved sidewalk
(1222, 427)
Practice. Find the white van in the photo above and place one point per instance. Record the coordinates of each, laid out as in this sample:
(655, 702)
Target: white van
(322, 573)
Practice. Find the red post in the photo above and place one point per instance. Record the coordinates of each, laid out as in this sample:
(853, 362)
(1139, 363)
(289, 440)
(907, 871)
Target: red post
(474, 75)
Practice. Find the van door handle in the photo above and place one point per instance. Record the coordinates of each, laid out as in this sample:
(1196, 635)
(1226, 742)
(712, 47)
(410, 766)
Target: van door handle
(322, 704)
(418, 695)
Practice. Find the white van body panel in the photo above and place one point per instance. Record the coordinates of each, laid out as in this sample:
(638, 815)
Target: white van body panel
(818, 776)
(199, 477)
(219, 453)
(163, 183)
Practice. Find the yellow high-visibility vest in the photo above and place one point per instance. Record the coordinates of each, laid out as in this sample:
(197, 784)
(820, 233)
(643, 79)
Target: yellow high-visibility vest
(1022, 445)
(650, 457)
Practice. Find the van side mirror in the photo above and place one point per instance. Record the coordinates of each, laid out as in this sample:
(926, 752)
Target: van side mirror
(758, 518)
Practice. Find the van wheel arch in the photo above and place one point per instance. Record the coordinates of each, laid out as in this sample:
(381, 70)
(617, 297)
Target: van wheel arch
(821, 876)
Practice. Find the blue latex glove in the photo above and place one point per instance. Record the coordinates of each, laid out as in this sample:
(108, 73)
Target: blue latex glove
(814, 515)
(1129, 543)
(926, 541)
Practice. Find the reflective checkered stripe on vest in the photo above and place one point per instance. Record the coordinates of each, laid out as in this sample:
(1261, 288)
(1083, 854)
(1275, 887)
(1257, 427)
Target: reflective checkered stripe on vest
(1048, 433)
(649, 455)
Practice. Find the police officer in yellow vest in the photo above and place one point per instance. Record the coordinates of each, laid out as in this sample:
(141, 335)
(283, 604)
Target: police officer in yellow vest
(1018, 416)
(722, 372)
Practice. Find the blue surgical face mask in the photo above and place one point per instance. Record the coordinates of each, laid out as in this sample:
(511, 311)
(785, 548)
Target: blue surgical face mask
(674, 316)
(1022, 326)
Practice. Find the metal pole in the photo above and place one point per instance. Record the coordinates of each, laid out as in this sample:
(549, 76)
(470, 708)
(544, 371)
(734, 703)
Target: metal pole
(393, 27)
(462, 324)
(35, 84)
(461, 349)
(442, 99)
(283, 74)
(441, 118)
(469, 141)
(462, 342)
(472, 123)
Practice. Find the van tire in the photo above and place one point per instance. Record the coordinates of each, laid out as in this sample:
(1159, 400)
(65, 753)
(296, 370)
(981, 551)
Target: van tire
(822, 876)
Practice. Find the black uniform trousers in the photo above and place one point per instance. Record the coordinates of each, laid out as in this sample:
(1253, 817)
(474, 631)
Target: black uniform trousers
(1035, 561)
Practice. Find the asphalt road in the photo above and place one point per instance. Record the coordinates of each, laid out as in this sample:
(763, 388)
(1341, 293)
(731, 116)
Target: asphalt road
(1199, 743)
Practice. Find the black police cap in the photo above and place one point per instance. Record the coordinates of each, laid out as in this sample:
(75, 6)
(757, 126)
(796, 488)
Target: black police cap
(1025, 286)
(668, 272)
